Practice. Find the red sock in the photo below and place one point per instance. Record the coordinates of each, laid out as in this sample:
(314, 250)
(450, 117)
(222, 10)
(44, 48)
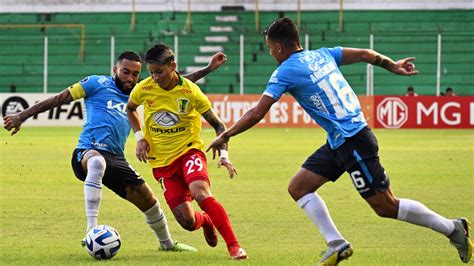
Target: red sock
(220, 220)
(201, 219)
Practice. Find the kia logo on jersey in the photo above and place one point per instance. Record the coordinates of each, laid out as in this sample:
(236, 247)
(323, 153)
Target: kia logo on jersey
(392, 112)
(165, 118)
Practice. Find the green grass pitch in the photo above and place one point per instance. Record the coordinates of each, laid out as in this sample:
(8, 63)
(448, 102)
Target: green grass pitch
(42, 209)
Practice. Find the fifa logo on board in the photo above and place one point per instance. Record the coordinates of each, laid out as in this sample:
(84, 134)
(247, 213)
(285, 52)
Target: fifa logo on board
(392, 112)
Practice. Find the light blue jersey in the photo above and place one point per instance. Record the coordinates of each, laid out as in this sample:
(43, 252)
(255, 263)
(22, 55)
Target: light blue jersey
(314, 80)
(106, 125)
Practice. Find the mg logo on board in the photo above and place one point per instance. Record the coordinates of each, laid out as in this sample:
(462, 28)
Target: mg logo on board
(392, 112)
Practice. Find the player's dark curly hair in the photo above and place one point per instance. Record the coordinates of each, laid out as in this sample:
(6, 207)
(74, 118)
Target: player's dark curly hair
(160, 54)
(283, 30)
(129, 55)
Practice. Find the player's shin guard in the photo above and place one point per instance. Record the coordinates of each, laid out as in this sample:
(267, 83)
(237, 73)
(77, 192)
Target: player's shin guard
(156, 219)
(221, 221)
(93, 188)
(315, 207)
(415, 212)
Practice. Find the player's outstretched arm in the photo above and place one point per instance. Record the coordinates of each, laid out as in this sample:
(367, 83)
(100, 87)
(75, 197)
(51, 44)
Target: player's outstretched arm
(248, 120)
(14, 121)
(216, 61)
(142, 145)
(219, 127)
(401, 67)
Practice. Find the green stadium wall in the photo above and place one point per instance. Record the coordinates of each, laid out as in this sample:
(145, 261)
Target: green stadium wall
(396, 33)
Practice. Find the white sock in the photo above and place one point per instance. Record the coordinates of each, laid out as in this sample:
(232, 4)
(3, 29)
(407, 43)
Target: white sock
(156, 219)
(93, 188)
(313, 205)
(415, 212)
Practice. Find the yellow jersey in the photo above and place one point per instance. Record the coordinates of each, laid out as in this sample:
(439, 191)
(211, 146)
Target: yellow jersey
(172, 119)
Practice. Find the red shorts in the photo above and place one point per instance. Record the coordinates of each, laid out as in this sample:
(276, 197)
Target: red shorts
(176, 177)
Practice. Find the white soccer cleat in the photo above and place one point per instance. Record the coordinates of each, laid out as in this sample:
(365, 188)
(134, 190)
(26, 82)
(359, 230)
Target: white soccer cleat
(238, 253)
(333, 256)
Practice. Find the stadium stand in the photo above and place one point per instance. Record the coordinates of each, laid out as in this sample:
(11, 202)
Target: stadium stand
(396, 33)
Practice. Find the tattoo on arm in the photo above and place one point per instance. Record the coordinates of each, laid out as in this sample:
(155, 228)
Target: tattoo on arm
(215, 122)
(54, 101)
(382, 61)
(195, 76)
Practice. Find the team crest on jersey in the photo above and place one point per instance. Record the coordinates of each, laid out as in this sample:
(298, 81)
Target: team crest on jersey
(165, 118)
(182, 105)
(84, 80)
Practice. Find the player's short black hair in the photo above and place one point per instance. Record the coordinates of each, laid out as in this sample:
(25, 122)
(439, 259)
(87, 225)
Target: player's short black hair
(129, 55)
(283, 30)
(160, 54)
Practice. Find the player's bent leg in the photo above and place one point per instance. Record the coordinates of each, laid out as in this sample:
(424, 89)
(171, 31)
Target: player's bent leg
(184, 214)
(305, 181)
(201, 193)
(459, 238)
(384, 204)
(94, 165)
(220, 219)
(417, 213)
(411, 211)
(414, 212)
(142, 196)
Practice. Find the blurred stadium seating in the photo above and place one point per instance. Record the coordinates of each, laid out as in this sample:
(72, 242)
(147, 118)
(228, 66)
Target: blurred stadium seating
(396, 33)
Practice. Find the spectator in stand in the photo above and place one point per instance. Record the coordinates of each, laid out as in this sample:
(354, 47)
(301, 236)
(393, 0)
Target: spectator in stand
(449, 92)
(411, 91)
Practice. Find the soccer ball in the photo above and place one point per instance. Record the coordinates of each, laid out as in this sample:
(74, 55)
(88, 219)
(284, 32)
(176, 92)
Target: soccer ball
(103, 242)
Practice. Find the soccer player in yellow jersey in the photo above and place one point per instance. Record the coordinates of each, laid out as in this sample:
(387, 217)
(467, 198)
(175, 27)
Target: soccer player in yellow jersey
(171, 143)
(99, 157)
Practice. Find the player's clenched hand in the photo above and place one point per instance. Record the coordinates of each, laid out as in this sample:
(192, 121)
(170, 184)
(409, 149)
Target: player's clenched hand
(230, 168)
(217, 60)
(12, 122)
(142, 150)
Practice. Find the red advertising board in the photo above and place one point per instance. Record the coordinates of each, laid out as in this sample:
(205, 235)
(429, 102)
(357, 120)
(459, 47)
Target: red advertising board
(284, 113)
(424, 112)
(380, 111)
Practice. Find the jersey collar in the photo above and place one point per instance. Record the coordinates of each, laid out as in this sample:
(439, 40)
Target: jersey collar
(297, 51)
(180, 79)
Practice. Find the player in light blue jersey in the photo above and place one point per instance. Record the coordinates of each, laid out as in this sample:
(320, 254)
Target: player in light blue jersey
(105, 126)
(314, 80)
(99, 155)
